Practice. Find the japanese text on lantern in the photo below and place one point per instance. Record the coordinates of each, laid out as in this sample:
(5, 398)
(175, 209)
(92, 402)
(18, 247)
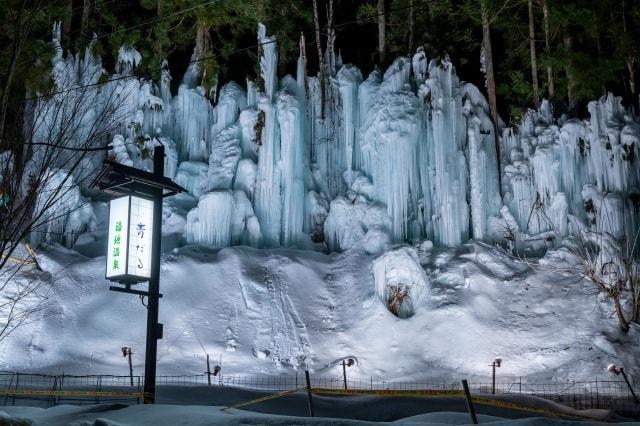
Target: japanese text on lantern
(141, 220)
(118, 232)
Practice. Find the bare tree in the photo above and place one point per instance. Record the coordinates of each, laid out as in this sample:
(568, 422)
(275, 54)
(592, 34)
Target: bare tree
(610, 263)
(62, 140)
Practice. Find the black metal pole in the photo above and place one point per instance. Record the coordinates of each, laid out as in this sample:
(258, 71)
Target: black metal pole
(309, 396)
(493, 378)
(344, 374)
(467, 395)
(130, 367)
(153, 328)
(208, 371)
(635, 397)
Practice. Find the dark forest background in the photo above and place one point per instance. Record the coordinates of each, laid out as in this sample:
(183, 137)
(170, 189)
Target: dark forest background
(568, 51)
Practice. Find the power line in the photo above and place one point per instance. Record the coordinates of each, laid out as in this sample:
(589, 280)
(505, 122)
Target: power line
(239, 50)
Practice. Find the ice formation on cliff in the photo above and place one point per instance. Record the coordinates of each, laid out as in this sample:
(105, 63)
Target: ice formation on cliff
(404, 155)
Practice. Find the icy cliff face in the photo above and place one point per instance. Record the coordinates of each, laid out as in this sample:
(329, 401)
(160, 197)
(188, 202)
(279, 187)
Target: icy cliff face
(404, 155)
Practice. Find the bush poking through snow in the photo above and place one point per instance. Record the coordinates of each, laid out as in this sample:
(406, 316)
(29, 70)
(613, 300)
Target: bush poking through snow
(400, 280)
(399, 302)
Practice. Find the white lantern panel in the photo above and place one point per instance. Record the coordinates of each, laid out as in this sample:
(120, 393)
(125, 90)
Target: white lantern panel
(140, 229)
(118, 237)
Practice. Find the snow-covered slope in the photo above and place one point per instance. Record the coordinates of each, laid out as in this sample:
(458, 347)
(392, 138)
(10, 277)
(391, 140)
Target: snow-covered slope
(275, 311)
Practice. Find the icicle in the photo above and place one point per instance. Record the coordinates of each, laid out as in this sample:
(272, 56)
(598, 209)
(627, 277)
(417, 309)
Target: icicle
(268, 203)
(349, 78)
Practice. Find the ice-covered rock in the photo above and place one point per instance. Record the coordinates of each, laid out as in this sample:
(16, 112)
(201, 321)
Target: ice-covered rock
(60, 213)
(191, 176)
(355, 221)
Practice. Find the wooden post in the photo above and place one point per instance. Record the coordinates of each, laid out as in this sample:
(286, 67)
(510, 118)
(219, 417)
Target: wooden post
(208, 371)
(306, 375)
(472, 411)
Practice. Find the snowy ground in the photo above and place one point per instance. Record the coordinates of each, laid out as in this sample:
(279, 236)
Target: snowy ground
(270, 312)
(200, 415)
(200, 406)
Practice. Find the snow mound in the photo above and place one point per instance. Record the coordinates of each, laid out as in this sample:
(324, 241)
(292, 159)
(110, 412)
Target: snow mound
(400, 280)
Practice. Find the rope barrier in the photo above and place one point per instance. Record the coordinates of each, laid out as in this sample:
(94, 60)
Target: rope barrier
(265, 398)
(50, 392)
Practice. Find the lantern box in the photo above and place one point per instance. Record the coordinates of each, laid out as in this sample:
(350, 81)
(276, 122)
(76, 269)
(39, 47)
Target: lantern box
(130, 239)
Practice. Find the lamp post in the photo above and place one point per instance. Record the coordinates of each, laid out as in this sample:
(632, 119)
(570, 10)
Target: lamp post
(126, 352)
(496, 363)
(348, 362)
(619, 370)
(133, 251)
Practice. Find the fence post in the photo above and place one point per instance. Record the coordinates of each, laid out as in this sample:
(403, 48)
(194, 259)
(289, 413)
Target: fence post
(208, 371)
(472, 411)
(8, 389)
(17, 384)
(98, 388)
(55, 386)
(309, 396)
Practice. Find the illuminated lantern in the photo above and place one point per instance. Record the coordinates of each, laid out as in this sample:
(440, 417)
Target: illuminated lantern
(130, 239)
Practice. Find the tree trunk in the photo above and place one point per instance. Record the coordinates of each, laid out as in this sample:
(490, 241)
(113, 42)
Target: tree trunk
(545, 12)
(66, 25)
(491, 84)
(381, 32)
(84, 22)
(316, 21)
(624, 324)
(411, 25)
(568, 45)
(331, 40)
(631, 62)
(534, 59)
(21, 33)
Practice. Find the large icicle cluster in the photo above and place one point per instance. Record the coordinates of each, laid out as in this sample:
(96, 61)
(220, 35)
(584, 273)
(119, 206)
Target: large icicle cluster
(404, 155)
(574, 175)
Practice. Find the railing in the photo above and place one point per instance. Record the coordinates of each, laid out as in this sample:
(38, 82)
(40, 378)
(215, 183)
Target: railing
(75, 389)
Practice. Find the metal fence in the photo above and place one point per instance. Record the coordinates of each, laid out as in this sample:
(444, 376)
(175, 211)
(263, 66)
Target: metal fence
(605, 394)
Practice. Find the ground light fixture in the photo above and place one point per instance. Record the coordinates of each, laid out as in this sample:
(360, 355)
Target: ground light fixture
(497, 362)
(619, 370)
(126, 352)
(346, 362)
